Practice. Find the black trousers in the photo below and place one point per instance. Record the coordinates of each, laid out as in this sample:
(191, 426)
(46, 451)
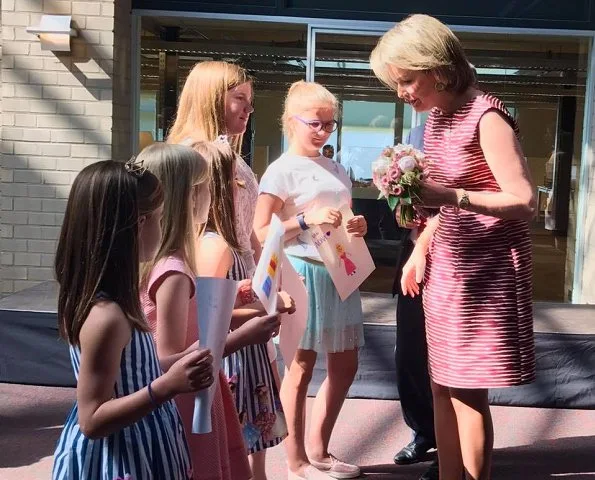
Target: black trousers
(411, 359)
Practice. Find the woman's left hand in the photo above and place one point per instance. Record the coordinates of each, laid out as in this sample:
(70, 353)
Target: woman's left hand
(357, 226)
(435, 195)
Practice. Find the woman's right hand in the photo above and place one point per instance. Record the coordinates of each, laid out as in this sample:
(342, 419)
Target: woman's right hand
(192, 372)
(413, 272)
(324, 215)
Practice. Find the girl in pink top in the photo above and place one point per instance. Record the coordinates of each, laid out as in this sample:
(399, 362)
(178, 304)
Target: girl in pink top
(169, 302)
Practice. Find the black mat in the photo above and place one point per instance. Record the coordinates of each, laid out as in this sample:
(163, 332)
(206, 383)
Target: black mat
(32, 353)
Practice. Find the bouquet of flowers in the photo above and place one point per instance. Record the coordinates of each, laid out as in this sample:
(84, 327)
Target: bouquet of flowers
(397, 173)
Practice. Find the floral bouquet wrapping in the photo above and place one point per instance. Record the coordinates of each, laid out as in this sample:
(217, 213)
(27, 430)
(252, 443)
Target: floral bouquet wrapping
(397, 173)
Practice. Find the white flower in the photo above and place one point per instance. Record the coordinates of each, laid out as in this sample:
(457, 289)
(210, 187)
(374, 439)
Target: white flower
(407, 164)
(380, 166)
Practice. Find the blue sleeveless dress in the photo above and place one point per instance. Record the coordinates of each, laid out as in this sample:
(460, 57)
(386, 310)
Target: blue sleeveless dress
(154, 448)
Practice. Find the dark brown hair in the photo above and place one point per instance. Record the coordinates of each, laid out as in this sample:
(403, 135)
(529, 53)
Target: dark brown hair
(98, 250)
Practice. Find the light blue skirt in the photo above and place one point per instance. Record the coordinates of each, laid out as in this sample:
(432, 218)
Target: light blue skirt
(333, 325)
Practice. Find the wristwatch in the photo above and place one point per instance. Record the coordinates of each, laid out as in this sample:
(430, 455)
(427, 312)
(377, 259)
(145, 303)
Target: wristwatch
(464, 202)
(301, 221)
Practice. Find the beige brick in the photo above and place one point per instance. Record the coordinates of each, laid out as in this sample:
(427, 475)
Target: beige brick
(16, 105)
(28, 63)
(72, 164)
(12, 133)
(26, 148)
(42, 219)
(86, 8)
(106, 124)
(27, 176)
(28, 6)
(100, 23)
(91, 37)
(6, 148)
(106, 95)
(107, 40)
(41, 191)
(36, 135)
(43, 106)
(27, 204)
(43, 78)
(24, 284)
(8, 33)
(47, 260)
(53, 205)
(15, 48)
(55, 150)
(6, 176)
(56, 178)
(21, 35)
(13, 245)
(68, 79)
(15, 19)
(18, 75)
(6, 203)
(6, 258)
(57, 7)
(54, 121)
(12, 161)
(27, 231)
(101, 109)
(15, 218)
(53, 64)
(24, 120)
(7, 286)
(85, 151)
(27, 259)
(71, 108)
(84, 94)
(57, 92)
(28, 91)
(7, 6)
(40, 273)
(67, 136)
(6, 231)
(42, 163)
(107, 9)
(62, 191)
(8, 62)
(7, 89)
(41, 246)
(14, 190)
(8, 119)
(50, 233)
(15, 273)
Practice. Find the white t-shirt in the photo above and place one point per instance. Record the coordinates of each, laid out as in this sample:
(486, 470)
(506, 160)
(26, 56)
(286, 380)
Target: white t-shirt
(305, 184)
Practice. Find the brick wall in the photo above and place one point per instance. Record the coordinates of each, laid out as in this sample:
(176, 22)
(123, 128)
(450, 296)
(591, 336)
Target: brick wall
(58, 110)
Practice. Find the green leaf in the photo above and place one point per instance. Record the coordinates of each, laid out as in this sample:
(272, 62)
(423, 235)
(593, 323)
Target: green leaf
(406, 201)
(392, 202)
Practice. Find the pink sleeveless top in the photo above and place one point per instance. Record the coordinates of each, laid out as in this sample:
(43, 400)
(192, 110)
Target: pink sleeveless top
(220, 454)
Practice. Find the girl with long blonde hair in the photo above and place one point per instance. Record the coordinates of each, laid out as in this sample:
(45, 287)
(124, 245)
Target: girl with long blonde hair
(305, 188)
(169, 302)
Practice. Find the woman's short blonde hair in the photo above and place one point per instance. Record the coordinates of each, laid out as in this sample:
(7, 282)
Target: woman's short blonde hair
(303, 96)
(421, 42)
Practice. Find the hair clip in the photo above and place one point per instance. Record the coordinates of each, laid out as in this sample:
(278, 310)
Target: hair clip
(222, 139)
(135, 168)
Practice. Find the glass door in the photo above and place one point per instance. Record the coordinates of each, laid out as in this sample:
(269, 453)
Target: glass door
(371, 118)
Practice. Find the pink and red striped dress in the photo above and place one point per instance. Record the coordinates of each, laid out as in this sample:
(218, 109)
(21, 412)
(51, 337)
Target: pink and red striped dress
(478, 284)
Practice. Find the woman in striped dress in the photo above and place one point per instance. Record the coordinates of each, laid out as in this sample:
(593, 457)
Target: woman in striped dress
(124, 424)
(477, 297)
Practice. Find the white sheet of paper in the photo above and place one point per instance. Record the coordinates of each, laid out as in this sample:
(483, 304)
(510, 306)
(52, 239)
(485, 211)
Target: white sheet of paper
(292, 326)
(215, 301)
(346, 257)
(265, 282)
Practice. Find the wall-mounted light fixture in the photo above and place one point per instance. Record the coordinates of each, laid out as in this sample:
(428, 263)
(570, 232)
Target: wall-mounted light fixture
(54, 32)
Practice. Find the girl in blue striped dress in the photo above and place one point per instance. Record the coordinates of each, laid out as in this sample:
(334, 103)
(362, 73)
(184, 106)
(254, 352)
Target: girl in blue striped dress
(124, 425)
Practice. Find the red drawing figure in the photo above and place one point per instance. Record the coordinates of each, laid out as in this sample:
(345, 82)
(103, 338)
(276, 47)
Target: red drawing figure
(347, 263)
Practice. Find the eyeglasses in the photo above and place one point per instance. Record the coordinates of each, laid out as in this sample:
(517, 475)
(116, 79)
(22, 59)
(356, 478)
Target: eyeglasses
(135, 168)
(317, 125)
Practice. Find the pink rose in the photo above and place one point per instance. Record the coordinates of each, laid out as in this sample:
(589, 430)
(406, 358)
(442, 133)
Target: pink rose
(394, 174)
(397, 190)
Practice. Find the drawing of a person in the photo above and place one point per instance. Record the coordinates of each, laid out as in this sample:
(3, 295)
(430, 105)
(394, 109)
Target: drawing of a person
(347, 263)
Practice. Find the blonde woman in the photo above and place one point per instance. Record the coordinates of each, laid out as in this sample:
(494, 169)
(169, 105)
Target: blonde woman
(305, 188)
(216, 101)
(477, 294)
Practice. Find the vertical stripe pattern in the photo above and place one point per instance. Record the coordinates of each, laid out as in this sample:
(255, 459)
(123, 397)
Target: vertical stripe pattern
(478, 291)
(252, 384)
(153, 448)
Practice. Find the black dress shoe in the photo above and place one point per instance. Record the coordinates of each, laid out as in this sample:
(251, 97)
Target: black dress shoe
(412, 453)
(431, 473)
